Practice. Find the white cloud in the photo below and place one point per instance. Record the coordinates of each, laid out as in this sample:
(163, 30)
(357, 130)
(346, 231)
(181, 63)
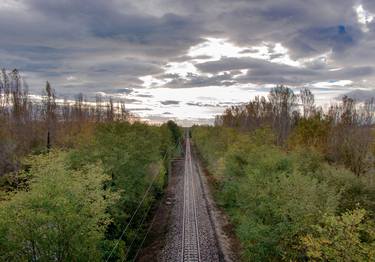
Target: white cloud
(151, 81)
(101, 94)
(183, 69)
(339, 83)
(216, 48)
(71, 78)
(283, 56)
(205, 95)
(11, 5)
(364, 17)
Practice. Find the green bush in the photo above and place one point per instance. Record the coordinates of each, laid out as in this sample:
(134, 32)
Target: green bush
(271, 203)
(275, 197)
(132, 155)
(349, 237)
(74, 206)
(61, 218)
(355, 192)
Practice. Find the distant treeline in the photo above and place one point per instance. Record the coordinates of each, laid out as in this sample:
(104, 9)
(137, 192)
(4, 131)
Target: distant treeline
(29, 125)
(343, 133)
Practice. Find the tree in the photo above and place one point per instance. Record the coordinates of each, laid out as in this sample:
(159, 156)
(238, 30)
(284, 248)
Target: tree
(50, 112)
(110, 110)
(311, 132)
(270, 201)
(349, 237)
(307, 101)
(175, 130)
(61, 218)
(283, 102)
(351, 136)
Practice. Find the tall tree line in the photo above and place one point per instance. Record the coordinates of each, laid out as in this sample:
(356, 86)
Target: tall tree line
(344, 133)
(28, 125)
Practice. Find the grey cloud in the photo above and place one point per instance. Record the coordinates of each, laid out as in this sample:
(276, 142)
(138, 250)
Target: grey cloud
(314, 40)
(94, 39)
(216, 105)
(201, 104)
(121, 21)
(144, 95)
(183, 122)
(170, 102)
(193, 80)
(109, 44)
(360, 95)
(261, 71)
(202, 57)
(140, 109)
(122, 91)
(131, 101)
(127, 67)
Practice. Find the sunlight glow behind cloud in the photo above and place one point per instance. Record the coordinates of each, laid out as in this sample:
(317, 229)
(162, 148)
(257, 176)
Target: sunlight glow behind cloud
(197, 102)
(166, 58)
(213, 49)
(364, 17)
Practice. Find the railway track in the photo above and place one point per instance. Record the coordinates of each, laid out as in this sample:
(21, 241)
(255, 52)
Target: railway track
(190, 229)
(191, 233)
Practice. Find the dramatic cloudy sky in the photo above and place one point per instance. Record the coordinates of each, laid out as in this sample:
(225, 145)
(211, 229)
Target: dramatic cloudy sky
(189, 59)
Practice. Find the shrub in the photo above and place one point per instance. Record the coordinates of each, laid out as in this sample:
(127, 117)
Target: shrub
(62, 216)
(349, 237)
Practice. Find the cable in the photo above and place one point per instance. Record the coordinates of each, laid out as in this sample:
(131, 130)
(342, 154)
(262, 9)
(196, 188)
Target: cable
(135, 212)
(149, 228)
(136, 234)
(148, 231)
(132, 217)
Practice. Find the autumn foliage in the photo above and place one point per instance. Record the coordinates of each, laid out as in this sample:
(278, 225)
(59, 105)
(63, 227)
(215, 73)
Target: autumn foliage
(29, 125)
(343, 134)
(296, 181)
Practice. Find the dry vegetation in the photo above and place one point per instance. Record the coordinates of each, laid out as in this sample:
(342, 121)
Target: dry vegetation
(32, 126)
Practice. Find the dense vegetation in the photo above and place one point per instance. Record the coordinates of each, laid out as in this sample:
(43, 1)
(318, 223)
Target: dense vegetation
(78, 181)
(61, 216)
(295, 189)
(30, 125)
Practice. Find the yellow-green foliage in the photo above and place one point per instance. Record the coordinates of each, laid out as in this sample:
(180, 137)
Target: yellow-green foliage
(349, 237)
(213, 143)
(311, 132)
(132, 155)
(62, 216)
(64, 207)
(274, 197)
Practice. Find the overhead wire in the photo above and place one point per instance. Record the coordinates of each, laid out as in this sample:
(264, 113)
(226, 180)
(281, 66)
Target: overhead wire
(135, 212)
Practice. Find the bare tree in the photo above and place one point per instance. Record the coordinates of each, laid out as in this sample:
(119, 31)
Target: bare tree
(283, 103)
(124, 113)
(50, 112)
(351, 137)
(110, 110)
(98, 107)
(307, 101)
